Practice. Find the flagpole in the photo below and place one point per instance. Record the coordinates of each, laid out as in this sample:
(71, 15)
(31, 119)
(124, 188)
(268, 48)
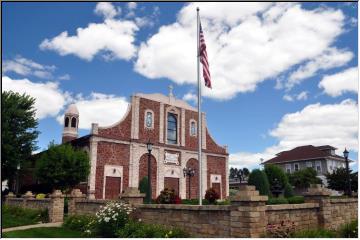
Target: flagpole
(199, 108)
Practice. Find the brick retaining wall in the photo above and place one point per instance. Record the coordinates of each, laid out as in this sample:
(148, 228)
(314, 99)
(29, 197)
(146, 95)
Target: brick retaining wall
(343, 211)
(200, 221)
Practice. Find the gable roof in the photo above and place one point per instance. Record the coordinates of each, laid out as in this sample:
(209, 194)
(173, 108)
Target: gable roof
(303, 153)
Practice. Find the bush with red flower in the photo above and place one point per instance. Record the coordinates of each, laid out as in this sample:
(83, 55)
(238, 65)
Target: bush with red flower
(168, 196)
(211, 195)
(284, 229)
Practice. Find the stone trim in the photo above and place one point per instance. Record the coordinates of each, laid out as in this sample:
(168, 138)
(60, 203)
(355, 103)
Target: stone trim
(108, 173)
(152, 120)
(161, 123)
(186, 207)
(343, 200)
(93, 163)
(167, 100)
(192, 121)
(203, 131)
(183, 130)
(291, 206)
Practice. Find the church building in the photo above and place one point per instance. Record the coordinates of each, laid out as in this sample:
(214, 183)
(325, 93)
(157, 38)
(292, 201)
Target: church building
(119, 155)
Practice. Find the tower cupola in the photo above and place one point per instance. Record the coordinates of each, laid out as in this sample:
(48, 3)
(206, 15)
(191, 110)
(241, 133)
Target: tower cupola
(71, 124)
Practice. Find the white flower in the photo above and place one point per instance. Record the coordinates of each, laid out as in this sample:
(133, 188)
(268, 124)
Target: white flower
(107, 219)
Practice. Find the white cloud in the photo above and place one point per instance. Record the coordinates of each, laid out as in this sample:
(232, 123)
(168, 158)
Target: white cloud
(301, 96)
(331, 58)
(28, 67)
(339, 83)
(99, 108)
(190, 97)
(288, 98)
(132, 5)
(49, 99)
(247, 43)
(106, 9)
(114, 39)
(65, 77)
(316, 124)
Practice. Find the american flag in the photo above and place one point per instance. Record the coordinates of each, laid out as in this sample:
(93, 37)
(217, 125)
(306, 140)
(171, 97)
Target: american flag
(204, 59)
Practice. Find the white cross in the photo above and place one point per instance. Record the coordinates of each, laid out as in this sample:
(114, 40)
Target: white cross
(171, 90)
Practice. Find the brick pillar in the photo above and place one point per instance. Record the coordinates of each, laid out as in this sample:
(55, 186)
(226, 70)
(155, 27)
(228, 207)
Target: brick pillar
(247, 217)
(28, 195)
(75, 195)
(132, 196)
(56, 210)
(318, 194)
(8, 197)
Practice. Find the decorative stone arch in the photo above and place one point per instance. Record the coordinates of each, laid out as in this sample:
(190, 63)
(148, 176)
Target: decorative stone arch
(143, 172)
(194, 181)
(174, 110)
(73, 122)
(190, 122)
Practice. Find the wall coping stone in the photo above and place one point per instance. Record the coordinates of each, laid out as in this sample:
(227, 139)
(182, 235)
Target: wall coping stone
(186, 207)
(343, 200)
(291, 206)
(98, 201)
(39, 200)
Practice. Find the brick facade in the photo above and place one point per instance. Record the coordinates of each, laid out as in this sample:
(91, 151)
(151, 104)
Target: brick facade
(143, 171)
(123, 145)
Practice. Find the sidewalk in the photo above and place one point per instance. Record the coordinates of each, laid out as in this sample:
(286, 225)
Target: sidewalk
(58, 224)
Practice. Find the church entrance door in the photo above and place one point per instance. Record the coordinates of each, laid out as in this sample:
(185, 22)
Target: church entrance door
(172, 183)
(112, 187)
(216, 187)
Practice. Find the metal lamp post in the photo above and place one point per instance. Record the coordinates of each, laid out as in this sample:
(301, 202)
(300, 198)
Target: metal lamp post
(149, 146)
(346, 155)
(17, 178)
(190, 173)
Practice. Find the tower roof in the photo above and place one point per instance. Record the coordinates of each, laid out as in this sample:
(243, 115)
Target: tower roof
(72, 109)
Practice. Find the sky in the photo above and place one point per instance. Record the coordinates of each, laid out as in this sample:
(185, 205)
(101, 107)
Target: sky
(283, 74)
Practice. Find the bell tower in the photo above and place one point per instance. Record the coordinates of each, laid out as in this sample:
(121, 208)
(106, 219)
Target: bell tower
(71, 124)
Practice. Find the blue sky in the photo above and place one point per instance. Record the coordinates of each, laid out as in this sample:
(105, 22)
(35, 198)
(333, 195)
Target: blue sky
(283, 74)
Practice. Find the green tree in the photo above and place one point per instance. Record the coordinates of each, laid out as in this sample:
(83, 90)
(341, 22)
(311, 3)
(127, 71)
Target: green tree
(288, 191)
(275, 173)
(62, 166)
(143, 185)
(337, 180)
(18, 133)
(303, 178)
(240, 174)
(259, 180)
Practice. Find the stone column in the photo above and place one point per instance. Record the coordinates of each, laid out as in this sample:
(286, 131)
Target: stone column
(247, 218)
(132, 196)
(75, 195)
(56, 210)
(28, 195)
(8, 197)
(316, 193)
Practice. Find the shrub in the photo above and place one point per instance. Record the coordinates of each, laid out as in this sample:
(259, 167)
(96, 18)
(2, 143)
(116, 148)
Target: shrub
(296, 199)
(38, 215)
(233, 192)
(40, 196)
(273, 173)
(303, 178)
(223, 202)
(168, 196)
(275, 201)
(349, 230)
(109, 219)
(36, 188)
(137, 229)
(282, 230)
(288, 191)
(78, 222)
(316, 233)
(194, 201)
(211, 195)
(259, 180)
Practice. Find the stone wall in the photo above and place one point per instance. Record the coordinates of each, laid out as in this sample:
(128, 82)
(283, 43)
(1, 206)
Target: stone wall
(304, 216)
(88, 206)
(54, 204)
(200, 221)
(343, 211)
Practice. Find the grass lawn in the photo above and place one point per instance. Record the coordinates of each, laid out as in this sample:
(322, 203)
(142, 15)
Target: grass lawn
(9, 220)
(13, 216)
(49, 232)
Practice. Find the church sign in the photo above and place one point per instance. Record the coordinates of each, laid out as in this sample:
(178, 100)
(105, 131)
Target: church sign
(171, 158)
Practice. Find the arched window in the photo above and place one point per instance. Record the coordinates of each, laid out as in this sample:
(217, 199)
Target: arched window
(73, 122)
(66, 122)
(172, 128)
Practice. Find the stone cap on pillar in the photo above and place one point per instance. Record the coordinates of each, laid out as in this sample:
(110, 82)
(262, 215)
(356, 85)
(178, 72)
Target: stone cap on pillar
(57, 194)
(317, 190)
(28, 194)
(10, 195)
(248, 193)
(131, 192)
(76, 193)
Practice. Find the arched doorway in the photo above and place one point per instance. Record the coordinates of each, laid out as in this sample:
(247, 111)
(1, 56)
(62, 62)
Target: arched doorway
(143, 172)
(194, 181)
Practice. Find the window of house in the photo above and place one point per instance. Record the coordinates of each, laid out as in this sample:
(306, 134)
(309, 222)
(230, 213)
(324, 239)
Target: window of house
(288, 168)
(296, 167)
(309, 164)
(149, 119)
(73, 122)
(192, 128)
(318, 166)
(172, 128)
(66, 122)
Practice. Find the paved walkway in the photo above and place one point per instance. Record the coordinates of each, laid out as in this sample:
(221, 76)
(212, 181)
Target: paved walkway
(58, 224)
